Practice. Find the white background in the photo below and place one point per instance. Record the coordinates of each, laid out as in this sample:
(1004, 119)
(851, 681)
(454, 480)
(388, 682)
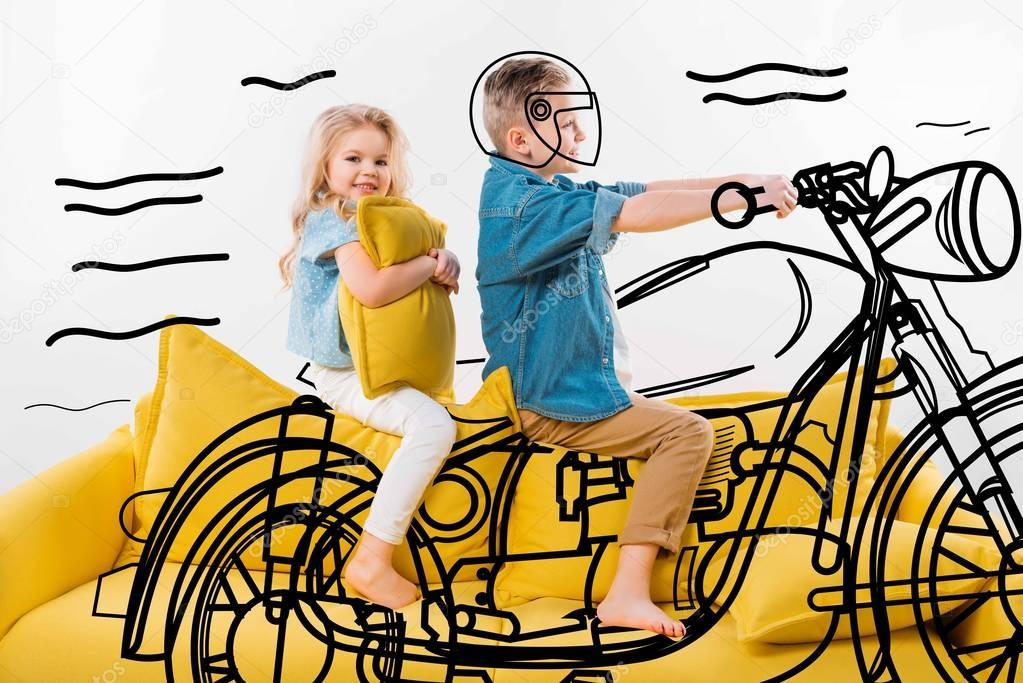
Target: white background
(103, 90)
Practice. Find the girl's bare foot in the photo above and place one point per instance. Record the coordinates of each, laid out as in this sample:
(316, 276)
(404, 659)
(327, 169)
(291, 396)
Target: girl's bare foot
(637, 612)
(379, 583)
(371, 573)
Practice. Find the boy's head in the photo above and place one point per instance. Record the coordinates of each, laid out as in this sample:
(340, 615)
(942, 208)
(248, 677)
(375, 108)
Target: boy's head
(533, 111)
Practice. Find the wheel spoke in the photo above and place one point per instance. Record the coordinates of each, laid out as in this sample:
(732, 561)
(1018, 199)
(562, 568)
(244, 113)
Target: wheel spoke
(980, 647)
(959, 618)
(250, 581)
(959, 559)
(1012, 648)
(219, 665)
(969, 508)
(995, 671)
(231, 604)
(1013, 664)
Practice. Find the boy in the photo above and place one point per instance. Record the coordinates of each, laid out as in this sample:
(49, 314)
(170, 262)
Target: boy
(548, 314)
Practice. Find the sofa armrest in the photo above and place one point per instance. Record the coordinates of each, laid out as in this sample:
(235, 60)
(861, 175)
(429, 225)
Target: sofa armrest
(61, 529)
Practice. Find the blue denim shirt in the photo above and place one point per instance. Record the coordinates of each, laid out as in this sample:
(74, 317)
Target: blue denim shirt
(540, 274)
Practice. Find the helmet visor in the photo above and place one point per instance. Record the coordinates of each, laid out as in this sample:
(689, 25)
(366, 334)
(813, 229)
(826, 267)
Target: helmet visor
(567, 123)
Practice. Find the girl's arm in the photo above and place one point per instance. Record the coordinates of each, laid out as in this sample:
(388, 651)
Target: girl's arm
(374, 287)
(448, 269)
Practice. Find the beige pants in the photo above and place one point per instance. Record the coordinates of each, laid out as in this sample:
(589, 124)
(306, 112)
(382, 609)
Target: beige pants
(676, 444)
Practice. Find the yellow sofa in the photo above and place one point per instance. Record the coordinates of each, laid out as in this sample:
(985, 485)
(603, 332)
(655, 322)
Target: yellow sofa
(101, 553)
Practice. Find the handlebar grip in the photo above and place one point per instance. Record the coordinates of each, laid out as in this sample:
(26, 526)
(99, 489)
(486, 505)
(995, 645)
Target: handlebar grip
(747, 193)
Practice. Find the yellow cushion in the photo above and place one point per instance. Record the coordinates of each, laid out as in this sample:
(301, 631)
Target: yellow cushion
(411, 340)
(63, 641)
(773, 604)
(552, 624)
(539, 525)
(204, 390)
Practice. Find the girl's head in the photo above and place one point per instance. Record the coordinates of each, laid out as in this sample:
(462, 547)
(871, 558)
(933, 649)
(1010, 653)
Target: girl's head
(353, 151)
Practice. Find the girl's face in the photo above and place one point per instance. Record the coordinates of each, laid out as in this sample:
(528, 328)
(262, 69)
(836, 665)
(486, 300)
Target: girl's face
(360, 165)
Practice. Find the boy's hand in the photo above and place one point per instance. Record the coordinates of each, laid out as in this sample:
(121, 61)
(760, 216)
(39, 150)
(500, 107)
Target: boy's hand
(778, 192)
(448, 269)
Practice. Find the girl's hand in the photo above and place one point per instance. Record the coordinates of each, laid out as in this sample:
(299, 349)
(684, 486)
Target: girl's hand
(448, 269)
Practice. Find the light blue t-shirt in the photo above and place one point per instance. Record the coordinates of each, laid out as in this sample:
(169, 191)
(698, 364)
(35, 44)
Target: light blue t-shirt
(314, 324)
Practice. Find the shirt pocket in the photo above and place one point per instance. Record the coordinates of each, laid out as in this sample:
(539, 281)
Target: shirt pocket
(570, 278)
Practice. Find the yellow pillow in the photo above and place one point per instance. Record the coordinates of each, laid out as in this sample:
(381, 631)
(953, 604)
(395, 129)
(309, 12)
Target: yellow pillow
(204, 390)
(773, 605)
(993, 620)
(796, 503)
(411, 340)
(539, 525)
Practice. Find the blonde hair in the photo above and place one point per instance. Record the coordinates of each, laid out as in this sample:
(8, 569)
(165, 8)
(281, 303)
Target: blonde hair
(506, 88)
(327, 131)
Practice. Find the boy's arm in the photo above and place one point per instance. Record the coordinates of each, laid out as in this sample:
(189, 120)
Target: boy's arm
(748, 179)
(374, 287)
(663, 209)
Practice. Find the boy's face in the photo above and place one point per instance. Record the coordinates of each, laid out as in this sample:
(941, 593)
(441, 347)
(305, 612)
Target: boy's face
(563, 131)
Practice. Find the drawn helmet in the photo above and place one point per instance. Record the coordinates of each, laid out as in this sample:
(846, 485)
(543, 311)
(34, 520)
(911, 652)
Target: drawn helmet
(552, 115)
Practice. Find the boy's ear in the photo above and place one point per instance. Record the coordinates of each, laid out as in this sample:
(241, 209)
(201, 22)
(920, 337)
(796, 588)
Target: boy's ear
(517, 140)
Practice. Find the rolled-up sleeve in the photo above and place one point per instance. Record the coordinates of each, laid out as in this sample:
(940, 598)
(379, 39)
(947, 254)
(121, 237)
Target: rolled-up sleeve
(629, 188)
(325, 231)
(606, 207)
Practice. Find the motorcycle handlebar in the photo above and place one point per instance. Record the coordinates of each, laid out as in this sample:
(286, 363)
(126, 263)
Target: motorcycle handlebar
(891, 209)
(747, 193)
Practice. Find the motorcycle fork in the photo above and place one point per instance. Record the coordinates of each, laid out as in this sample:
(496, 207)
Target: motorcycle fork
(939, 388)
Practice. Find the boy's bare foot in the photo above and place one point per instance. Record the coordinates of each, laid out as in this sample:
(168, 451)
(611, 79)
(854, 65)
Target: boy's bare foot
(379, 583)
(628, 601)
(638, 612)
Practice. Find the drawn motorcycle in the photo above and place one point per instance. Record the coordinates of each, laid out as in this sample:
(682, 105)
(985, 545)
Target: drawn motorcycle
(972, 416)
(972, 408)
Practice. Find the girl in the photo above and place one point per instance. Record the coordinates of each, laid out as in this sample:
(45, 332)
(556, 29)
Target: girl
(355, 151)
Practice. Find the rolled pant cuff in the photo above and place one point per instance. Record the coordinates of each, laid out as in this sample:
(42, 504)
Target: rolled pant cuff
(385, 536)
(650, 534)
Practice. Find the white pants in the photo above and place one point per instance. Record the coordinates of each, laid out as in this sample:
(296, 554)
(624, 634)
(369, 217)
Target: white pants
(427, 432)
